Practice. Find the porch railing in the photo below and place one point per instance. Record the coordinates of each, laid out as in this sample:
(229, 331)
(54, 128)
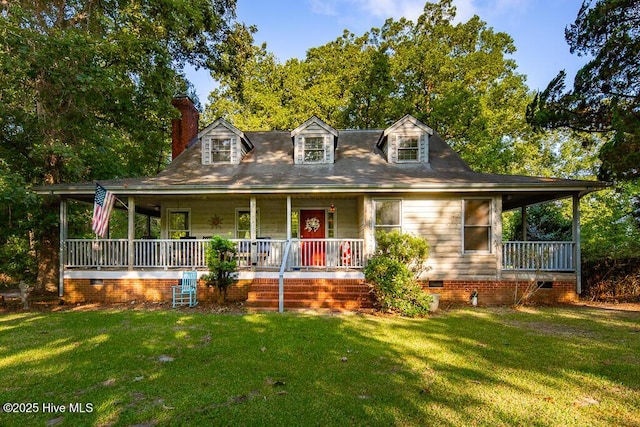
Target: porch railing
(538, 256)
(306, 254)
(190, 253)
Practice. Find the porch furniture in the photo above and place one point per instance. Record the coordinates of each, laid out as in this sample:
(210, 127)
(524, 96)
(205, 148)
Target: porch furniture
(263, 251)
(186, 291)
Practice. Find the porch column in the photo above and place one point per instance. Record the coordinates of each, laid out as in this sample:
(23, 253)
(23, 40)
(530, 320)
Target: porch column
(523, 211)
(253, 229)
(131, 231)
(577, 253)
(63, 239)
(288, 217)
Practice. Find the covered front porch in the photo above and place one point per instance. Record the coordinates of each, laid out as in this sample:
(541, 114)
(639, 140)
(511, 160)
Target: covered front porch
(320, 243)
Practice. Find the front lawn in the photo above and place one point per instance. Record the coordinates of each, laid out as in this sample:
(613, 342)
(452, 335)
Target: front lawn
(543, 366)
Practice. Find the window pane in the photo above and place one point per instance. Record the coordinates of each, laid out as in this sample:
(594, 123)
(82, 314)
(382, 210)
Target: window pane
(476, 212)
(220, 150)
(407, 154)
(314, 155)
(314, 143)
(408, 142)
(178, 224)
(388, 212)
(178, 220)
(244, 224)
(476, 238)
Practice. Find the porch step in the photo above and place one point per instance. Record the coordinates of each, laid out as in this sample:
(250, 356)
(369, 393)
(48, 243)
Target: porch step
(329, 296)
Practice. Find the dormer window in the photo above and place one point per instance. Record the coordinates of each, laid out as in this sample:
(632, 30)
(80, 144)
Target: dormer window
(223, 143)
(406, 141)
(408, 148)
(314, 149)
(220, 149)
(314, 142)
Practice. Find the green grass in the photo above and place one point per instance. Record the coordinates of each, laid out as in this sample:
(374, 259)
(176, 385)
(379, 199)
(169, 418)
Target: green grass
(485, 367)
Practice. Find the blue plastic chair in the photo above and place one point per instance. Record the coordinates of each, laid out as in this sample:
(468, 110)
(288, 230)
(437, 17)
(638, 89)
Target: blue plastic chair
(186, 292)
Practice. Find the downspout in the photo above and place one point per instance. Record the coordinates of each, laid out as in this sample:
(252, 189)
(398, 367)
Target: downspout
(283, 267)
(577, 252)
(63, 239)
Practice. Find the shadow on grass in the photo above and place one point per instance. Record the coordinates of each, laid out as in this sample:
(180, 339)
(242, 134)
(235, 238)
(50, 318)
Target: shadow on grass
(487, 367)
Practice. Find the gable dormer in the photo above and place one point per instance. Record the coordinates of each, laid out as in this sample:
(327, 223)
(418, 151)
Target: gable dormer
(223, 143)
(314, 142)
(406, 141)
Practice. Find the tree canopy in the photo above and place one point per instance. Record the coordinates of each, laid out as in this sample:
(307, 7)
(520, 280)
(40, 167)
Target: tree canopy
(456, 77)
(85, 88)
(605, 97)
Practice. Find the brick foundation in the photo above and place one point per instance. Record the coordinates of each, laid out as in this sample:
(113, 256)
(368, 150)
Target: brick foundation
(152, 290)
(503, 292)
(305, 292)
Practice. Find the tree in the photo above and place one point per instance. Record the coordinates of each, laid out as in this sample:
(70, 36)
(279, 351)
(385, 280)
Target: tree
(86, 88)
(457, 78)
(606, 93)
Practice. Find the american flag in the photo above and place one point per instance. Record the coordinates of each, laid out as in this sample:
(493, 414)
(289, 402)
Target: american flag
(102, 210)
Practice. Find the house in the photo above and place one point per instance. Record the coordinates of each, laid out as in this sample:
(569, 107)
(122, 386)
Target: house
(304, 206)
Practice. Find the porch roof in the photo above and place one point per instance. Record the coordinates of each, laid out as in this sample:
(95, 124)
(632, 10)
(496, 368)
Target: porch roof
(360, 167)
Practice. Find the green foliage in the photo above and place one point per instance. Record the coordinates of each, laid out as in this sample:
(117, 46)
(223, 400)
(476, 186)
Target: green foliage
(545, 222)
(395, 289)
(86, 89)
(393, 271)
(411, 251)
(610, 223)
(455, 77)
(220, 255)
(606, 95)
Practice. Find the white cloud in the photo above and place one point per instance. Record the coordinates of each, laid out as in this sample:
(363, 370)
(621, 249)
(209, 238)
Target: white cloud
(384, 9)
(324, 7)
(412, 9)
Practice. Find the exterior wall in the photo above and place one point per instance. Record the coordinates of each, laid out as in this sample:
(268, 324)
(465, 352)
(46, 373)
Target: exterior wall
(439, 220)
(272, 214)
(491, 293)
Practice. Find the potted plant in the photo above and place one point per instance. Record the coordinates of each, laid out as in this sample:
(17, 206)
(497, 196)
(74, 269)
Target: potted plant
(220, 255)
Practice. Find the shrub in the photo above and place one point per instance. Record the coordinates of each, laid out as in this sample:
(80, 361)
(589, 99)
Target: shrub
(393, 272)
(407, 249)
(220, 256)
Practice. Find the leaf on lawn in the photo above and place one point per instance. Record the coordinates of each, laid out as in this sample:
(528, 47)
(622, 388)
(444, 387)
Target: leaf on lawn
(109, 382)
(55, 421)
(140, 378)
(549, 399)
(585, 401)
(263, 349)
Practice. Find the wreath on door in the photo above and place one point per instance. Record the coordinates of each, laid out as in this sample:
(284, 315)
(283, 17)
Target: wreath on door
(312, 224)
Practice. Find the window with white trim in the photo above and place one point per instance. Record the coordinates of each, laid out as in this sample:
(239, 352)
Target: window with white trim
(220, 150)
(408, 147)
(243, 223)
(179, 223)
(314, 150)
(477, 225)
(387, 215)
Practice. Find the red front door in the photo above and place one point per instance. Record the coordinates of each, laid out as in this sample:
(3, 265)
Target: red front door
(313, 226)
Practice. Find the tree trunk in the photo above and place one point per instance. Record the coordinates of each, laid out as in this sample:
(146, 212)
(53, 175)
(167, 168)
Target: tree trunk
(48, 276)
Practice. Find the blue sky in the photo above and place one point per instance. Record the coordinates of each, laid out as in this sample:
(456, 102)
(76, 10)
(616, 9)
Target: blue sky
(290, 27)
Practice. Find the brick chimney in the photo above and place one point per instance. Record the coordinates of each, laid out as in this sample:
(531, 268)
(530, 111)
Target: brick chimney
(184, 129)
